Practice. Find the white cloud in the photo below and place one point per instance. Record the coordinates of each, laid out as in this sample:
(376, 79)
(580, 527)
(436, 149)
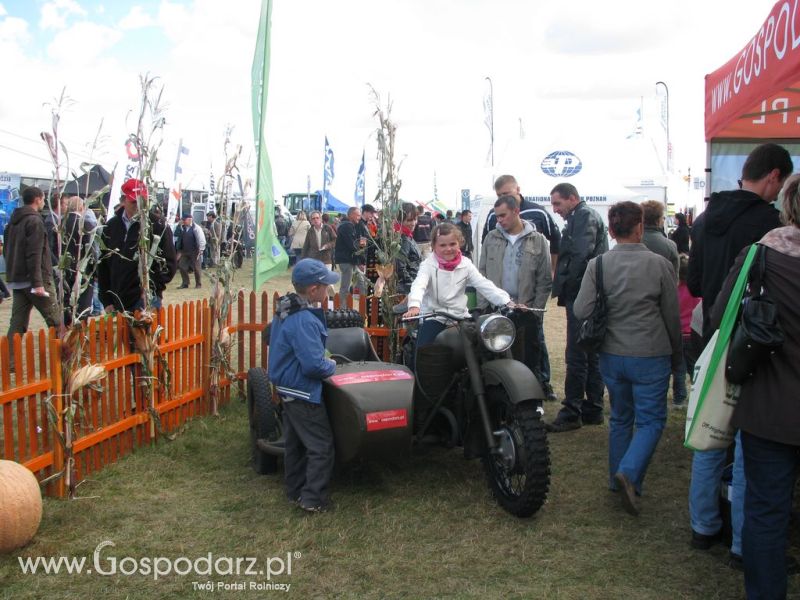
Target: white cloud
(82, 44)
(431, 56)
(136, 19)
(54, 14)
(3, 11)
(13, 30)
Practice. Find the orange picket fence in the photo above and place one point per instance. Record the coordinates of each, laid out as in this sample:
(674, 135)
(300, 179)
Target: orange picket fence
(115, 421)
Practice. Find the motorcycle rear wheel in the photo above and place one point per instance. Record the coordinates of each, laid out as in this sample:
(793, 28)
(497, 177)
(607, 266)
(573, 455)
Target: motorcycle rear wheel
(264, 420)
(520, 478)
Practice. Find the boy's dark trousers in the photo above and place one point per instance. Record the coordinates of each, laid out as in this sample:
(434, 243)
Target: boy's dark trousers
(308, 459)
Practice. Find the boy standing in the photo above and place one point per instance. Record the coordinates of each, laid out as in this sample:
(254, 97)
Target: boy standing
(297, 366)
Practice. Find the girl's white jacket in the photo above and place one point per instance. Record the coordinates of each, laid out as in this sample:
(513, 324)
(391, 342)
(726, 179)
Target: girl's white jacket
(437, 289)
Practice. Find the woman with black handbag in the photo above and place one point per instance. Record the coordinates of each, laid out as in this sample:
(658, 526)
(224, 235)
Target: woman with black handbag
(642, 345)
(768, 411)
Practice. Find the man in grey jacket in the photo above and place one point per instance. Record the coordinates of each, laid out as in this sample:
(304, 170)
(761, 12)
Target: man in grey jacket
(583, 238)
(516, 258)
(654, 237)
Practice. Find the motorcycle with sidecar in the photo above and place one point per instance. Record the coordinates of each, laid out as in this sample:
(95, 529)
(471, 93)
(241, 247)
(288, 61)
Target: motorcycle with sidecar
(466, 390)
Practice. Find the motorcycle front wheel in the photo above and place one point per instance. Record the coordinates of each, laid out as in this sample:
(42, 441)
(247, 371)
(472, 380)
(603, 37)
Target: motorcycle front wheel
(519, 475)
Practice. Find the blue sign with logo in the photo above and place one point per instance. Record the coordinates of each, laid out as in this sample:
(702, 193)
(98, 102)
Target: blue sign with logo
(9, 197)
(561, 163)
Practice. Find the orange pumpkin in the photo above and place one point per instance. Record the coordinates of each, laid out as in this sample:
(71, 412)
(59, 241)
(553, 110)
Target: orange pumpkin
(20, 506)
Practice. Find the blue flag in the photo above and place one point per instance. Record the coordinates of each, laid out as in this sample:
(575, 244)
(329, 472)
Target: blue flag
(182, 150)
(359, 195)
(327, 180)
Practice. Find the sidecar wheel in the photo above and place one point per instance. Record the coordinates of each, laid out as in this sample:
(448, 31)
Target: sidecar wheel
(519, 477)
(265, 422)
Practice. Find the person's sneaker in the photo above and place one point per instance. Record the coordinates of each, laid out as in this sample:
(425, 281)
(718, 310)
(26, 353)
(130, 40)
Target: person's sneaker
(701, 541)
(592, 419)
(627, 494)
(319, 508)
(549, 394)
(182, 287)
(199, 285)
(735, 562)
(561, 424)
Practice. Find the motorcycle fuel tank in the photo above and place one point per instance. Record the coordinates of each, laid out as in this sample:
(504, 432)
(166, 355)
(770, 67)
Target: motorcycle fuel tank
(370, 405)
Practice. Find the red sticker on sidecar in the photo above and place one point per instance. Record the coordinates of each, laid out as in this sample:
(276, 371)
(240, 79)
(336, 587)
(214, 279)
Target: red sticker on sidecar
(387, 419)
(370, 376)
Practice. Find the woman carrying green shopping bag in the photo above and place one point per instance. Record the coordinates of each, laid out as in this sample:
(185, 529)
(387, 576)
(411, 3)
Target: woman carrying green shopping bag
(768, 410)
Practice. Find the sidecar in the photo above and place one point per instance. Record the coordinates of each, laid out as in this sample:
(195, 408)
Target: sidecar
(369, 403)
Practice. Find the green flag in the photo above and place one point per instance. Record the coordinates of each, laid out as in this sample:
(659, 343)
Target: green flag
(270, 257)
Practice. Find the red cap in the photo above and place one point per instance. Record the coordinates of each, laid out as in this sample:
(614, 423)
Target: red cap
(133, 188)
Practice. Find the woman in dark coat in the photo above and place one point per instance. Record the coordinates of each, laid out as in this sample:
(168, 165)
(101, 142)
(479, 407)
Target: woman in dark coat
(681, 234)
(768, 411)
(79, 252)
(407, 264)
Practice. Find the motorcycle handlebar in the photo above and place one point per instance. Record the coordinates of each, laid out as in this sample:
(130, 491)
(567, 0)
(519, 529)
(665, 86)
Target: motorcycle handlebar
(434, 313)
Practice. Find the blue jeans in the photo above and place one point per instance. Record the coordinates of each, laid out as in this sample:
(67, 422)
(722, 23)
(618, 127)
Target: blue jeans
(428, 331)
(544, 357)
(583, 386)
(704, 493)
(771, 471)
(637, 391)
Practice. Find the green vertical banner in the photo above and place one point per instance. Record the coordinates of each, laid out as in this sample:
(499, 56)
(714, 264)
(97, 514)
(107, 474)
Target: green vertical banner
(270, 256)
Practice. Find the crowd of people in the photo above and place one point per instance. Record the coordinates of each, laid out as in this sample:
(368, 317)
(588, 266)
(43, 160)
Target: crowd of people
(664, 296)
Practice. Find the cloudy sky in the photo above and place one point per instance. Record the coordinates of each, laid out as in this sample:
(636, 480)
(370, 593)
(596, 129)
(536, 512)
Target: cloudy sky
(562, 72)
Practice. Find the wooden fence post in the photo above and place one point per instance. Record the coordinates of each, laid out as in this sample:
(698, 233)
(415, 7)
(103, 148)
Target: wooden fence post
(206, 367)
(59, 435)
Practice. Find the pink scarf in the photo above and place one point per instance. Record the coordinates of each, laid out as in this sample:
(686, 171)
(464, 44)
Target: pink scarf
(449, 265)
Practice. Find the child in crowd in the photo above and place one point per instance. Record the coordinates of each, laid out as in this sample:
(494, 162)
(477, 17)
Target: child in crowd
(441, 283)
(687, 305)
(297, 366)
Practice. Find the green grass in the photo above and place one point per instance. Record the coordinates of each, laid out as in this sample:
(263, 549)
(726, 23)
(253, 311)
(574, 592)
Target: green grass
(417, 528)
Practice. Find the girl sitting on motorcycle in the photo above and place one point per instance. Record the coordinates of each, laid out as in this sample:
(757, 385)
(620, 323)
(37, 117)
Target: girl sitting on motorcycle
(441, 284)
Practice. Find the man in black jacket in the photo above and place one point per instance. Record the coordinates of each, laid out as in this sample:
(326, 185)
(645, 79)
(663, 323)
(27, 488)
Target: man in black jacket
(584, 237)
(29, 270)
(350, 254)
(681, 234)
(465, 225)
(118, 270)
(731, 221)
(422, 232)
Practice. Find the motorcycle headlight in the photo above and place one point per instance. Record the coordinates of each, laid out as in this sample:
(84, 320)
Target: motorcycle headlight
(497, 333)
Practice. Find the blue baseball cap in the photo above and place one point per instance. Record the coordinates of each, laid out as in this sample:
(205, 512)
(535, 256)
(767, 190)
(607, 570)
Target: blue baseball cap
(310, 271)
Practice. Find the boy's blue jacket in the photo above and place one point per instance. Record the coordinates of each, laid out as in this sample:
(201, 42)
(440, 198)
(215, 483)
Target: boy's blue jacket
(297, 363)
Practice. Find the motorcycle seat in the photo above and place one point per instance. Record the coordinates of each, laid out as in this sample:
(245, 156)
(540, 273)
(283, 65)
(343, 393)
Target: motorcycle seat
(352, 343)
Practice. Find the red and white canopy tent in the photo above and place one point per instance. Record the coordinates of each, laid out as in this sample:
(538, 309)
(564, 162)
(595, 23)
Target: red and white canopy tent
(755, 97)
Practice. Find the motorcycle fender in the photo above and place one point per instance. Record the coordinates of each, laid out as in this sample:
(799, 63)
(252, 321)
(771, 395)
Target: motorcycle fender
(515, 377)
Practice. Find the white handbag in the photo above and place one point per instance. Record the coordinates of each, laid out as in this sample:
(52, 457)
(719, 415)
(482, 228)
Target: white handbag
(712, 399)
